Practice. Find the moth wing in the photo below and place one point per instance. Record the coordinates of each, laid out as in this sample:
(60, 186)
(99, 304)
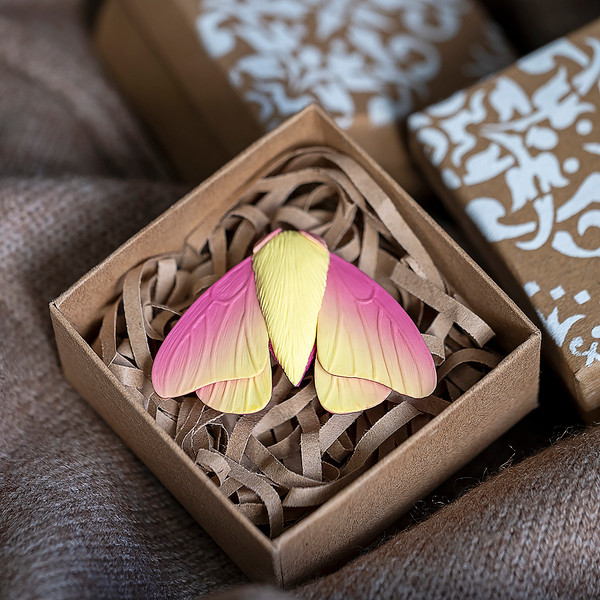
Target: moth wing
(221, 337)
(239, 396)
(347, 394)
(364, 333)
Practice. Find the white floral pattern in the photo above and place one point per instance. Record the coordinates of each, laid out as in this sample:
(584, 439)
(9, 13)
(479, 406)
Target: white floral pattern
(520, 152)
(515, 135)
(559, 326)
(350, 56)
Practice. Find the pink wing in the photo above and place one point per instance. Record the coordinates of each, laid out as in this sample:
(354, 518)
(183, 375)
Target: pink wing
(221, 337)
(363, 333)
(239, 396)
(347, 394)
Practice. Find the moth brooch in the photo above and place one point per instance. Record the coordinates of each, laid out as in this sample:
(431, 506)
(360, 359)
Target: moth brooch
(297, 301)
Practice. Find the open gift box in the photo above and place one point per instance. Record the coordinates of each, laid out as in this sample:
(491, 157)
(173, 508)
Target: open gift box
(379, 494)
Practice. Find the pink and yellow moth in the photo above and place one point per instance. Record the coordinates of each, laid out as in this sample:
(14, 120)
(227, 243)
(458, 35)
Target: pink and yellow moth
(294, 299)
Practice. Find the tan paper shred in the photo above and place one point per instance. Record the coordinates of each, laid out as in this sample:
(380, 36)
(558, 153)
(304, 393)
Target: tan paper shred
(279, 464)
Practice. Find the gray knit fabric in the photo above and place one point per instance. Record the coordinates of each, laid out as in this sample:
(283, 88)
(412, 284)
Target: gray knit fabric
(59, 115)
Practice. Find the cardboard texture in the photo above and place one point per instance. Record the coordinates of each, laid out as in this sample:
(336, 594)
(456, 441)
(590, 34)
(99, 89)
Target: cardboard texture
(210, 77)
(518, 157)
(355, 515)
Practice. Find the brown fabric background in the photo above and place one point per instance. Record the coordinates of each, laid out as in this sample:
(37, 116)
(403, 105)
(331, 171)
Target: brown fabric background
(80, 516)
(533, 23)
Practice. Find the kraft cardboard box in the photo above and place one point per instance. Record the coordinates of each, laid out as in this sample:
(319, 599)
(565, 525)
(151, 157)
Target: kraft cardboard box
(517, 160)
(390, 485)
(210, 77)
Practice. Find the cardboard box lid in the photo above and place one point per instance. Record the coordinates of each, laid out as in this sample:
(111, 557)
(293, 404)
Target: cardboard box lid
(519, 155)
(241, 68)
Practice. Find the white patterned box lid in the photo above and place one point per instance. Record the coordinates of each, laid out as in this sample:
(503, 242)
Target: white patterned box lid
(369, 63)
(519, 154)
